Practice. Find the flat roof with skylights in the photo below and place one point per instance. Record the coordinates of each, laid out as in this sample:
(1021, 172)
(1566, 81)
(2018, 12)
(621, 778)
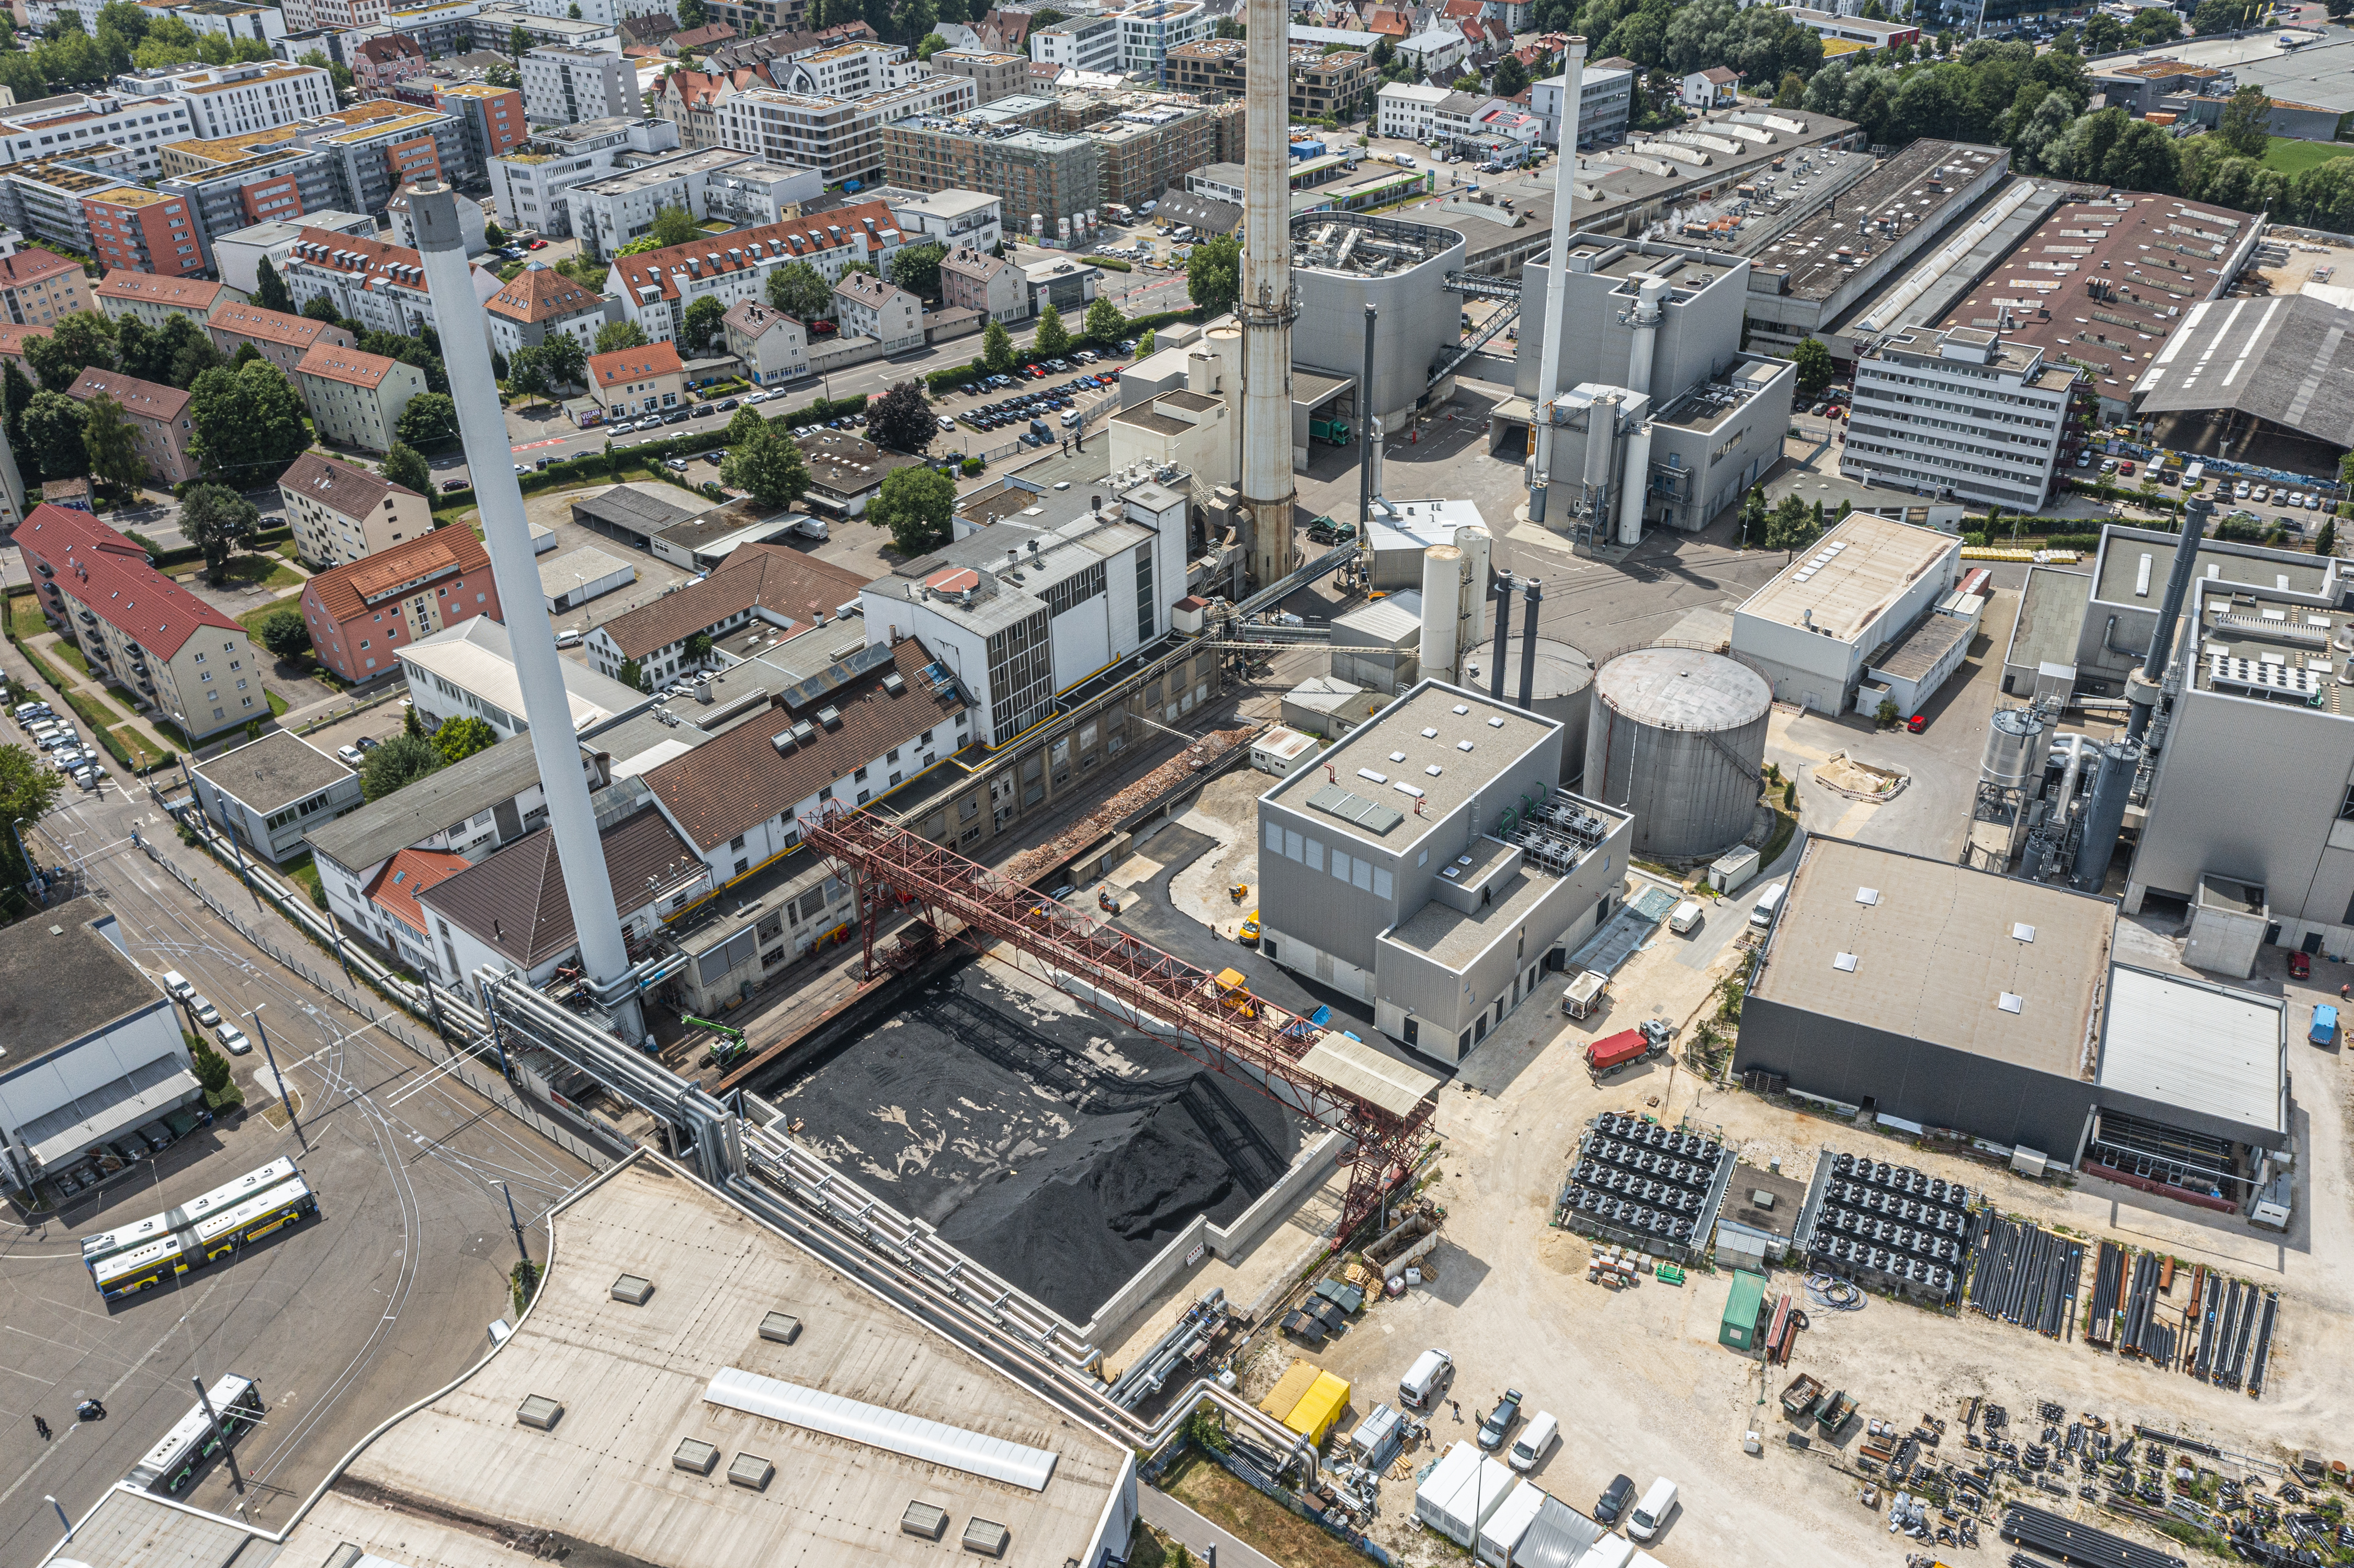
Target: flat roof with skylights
(1988, 965)
(1854, 573)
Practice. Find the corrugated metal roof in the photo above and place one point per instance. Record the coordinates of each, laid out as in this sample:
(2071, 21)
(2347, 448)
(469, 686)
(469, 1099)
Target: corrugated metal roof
(2205, 1047)
(1352, 1065)
(910, 1437)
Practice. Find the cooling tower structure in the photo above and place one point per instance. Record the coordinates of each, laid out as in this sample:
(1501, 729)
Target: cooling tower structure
(1677, 737)
(1269, 302)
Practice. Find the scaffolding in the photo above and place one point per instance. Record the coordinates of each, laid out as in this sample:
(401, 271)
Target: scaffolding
(1125, 980)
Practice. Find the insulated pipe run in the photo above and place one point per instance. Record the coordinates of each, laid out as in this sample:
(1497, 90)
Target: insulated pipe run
(2075, 745)
(1531, 595)
(531, 639)
(1549, 347)
(1635, 485)
(1503, 632)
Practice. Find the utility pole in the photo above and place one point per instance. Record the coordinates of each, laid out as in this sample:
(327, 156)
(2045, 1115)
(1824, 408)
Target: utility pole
(514, 1223)
(285, 1094)
(236, 1478)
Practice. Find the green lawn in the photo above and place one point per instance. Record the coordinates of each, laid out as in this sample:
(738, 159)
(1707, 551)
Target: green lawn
(135, 746)
(278, 704)
(24, 618)
(245, 570)
(2296, 157)
(70, 653)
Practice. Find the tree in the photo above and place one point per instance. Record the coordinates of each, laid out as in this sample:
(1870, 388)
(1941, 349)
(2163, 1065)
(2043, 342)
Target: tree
(2102, 34)
(217, 520)
(29, 789)
(745, 424)
(407, 467)
(1792, 94)
(501, 73)
(459, 738)
(768, 467)
(676, 226)
(2243, 126)
(15, 394)
(914, 505)
(321, 308)
(518, 41)
(917, 267)
(901, 420)
(341, 72)
(565, 362)
(691, 15)
(113, 445)
(2326, 542)
(396, 763)
(78, 341)
(430, 420)
(1104, 322)
(52, 430)
(1754, 514)
(1511, 77)
(799, 289)
(996, 348)
(249, 422)
(526, 375)
(703, 326)
(1814, 363)
(630, 675)
(1214, 274)
(620, 334)
(931, 44)
(2159, 24)
(283, 632)
(1052, 337)
(1792, 526)
(1144, 345)
(1232, 27)
(2217, 17)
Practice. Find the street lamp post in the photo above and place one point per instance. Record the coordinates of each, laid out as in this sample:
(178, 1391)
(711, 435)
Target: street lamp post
(285, 1094)
(33, 878)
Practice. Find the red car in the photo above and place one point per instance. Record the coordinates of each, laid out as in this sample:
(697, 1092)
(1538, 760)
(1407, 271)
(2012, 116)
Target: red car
(1917, 723)
(537, 245)
(2300, 966)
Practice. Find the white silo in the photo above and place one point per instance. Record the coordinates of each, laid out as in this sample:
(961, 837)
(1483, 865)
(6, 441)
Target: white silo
(1471, 624)
(1442, 594)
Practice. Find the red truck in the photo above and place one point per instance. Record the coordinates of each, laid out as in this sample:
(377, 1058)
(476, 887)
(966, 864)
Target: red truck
(1615, 1051)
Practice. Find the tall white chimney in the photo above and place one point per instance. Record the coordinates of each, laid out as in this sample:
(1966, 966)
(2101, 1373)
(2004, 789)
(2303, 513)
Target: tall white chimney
(1650, 292)
(1268, 305)
(531, 638)
(1550, 347)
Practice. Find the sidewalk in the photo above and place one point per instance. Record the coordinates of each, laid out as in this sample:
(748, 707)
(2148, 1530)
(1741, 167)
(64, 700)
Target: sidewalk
(1189, 1529)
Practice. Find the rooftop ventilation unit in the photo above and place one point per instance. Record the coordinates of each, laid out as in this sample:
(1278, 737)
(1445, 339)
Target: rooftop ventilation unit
(635, 1291)
(694, 1455)
(780, 1328)
(986, 1538)
(894, 685)
(538, 1410)
(926, 1521)
(751, 1470)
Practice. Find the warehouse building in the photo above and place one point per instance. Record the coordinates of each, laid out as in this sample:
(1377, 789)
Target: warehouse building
(268, 793)
(2127, 587)
(1863, 587)
(2264, 380)
(1428, 865)
(1934, 998)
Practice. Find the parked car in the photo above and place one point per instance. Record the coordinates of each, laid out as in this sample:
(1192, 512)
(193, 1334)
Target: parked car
(367, 743)
(350, 754)
(944, 422)
(1500, 1420)
(205, 1012)
(232, 1039)
(1614, 1499)
(449, 484)
(569, 640)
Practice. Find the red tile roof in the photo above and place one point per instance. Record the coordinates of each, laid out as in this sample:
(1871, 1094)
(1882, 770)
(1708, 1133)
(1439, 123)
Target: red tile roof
(188, 293)
(110, 574)
(146, 400)
(331, 362)
(797, 239)
(541, 293)
(348, 591)
(634, 364)
(408, 873)
(32, 265)
(271, 327)
(763, 576)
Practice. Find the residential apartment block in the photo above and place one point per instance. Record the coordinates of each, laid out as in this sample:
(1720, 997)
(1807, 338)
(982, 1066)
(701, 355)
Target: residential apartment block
(1148, 32)
(868, 306)
(238, 253)
(378, 62)
(773, 347)
(380, 286)
(495, 119)
(531, 184)
(137, 628)
(356, 399)
(362, 613)
(76, 125)
(145, 231)
(634, 381)
(1053, 174)
(539, 302)
(994, 75)
(715, 184)
(279, 337)
(841, 139)
(231, 100)
(158, 415)
(563, 85)
(1405, 109)
(1078, 43)
(656, 287)
(1605, 97)
(1321, 83)
(951, 218)
(157, 299)
(341, 513)
(845, 70)
(1146, 149)
(1960, 412)
(974, 280)
(37, 286)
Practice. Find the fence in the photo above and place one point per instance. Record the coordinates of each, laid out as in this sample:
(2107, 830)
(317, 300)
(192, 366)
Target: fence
(472, 1061)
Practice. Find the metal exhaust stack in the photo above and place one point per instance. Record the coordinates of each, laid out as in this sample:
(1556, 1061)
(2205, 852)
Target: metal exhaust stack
(1503, 634)
(2143, 687)
(1531, 595)
(1269, 302)
(466, 352)
(1565, 186)
(1368, 434)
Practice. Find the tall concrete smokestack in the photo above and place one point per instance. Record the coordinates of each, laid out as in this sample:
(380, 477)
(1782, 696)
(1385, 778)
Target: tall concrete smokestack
(1268, 305)
(1549, 347)
(466, 352)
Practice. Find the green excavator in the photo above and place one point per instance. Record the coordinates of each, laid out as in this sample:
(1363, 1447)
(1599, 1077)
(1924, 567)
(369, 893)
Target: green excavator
(732, 1047)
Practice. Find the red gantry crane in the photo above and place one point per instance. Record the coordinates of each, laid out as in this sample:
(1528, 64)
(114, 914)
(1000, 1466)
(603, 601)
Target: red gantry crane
(1382, 1106)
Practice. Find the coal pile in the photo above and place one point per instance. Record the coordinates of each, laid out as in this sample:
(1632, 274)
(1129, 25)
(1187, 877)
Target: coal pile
(1054, 1147)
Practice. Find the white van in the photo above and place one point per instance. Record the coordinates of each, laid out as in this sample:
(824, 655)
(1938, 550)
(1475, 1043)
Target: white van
(1687, 917)
(1768, 902)
(1423, 1379)
(1644, 1523)
(1536, 1438)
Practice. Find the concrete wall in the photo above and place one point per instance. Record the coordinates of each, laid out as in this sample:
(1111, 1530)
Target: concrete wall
(1919, 1082)
(1805, 667)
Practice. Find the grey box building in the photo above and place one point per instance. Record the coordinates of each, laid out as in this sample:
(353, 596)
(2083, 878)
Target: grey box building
(1859, 589)
(2128, 587)
(1932, 995)
(1960, 412)
(1346, 262)
(1428, 865)
(271, 792)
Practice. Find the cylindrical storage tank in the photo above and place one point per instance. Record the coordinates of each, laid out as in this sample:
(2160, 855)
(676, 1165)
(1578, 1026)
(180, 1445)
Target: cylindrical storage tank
(1677, 737)
(1471, 628)
(1442, 570)
(2105, 814)
(1228, 342)
(1564, 689)
(2013, 756)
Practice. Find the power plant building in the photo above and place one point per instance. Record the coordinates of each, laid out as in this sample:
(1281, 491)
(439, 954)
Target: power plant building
(1859, 589)
(1345, 262)
(1428, 862)
(1933, 997)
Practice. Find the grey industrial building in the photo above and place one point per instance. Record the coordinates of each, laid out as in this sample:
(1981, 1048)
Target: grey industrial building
(2265, 381)
(1707, 420)
(1428, 864)
(1936, 998)
(1815, 628)
(1345, 262)
(2128, 586)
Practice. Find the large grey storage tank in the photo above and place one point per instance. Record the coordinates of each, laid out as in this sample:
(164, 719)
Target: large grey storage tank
(1677, 737)
(1564, 691)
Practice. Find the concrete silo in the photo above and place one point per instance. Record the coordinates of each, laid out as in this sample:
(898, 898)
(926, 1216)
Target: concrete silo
(1677, 737)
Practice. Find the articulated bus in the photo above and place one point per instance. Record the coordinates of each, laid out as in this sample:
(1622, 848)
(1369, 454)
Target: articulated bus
(225, 1231)
(155, 1227)
(172, 1463)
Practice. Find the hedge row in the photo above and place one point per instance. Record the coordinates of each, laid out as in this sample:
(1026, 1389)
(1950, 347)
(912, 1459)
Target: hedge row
(1114, 262)
(255, 545)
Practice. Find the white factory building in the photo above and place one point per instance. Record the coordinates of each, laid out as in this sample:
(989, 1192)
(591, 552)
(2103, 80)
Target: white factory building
(467, 671)
(1022, 608)
(1868, 586)
(1427, 864)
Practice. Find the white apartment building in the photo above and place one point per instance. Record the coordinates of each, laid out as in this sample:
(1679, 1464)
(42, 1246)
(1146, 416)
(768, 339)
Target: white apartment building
(841, 138)
(380, 286)
(531, 184)
(951, 217)
(1078, 43)
(604, 13)
(846, 71)
(656, 287)
(1960, 412)
(333, 16)
(870, 307)
(1406, 109)
(1605, 95)
(564, 84)
(229, 100)
(69, 124)
(1148, 33)
(712, 183)
(263, 23)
